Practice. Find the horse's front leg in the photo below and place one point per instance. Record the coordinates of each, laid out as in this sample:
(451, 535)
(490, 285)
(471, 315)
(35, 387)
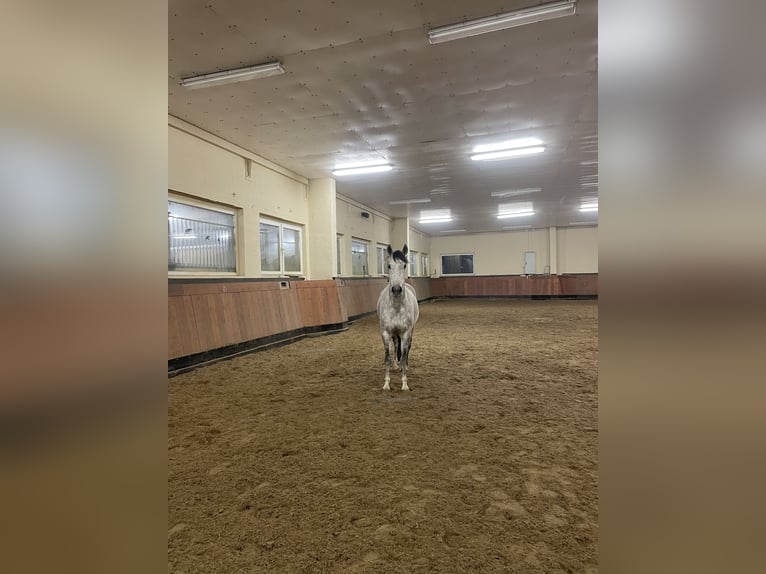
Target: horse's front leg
(386, 345)
(406, 342)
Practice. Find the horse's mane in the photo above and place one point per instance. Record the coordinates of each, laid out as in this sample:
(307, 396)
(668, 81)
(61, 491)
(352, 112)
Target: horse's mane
(400, 256)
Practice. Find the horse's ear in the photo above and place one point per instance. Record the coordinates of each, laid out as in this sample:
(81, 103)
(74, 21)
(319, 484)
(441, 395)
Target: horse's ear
(404, 249)
(389, 250)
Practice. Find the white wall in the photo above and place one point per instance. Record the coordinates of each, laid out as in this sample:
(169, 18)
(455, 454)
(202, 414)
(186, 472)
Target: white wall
(202, 166)
(502, 253)
(350, 224)
(322, 228)
(421, 243)
(199, 169)
(578, 249)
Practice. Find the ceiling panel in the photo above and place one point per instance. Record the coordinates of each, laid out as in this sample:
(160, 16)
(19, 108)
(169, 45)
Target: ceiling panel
(363, 82)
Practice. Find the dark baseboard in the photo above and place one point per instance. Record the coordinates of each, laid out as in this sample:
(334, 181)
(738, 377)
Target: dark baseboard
(529, 297)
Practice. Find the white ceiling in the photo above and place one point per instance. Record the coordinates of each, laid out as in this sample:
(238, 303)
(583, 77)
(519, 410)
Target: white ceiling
(362, 82)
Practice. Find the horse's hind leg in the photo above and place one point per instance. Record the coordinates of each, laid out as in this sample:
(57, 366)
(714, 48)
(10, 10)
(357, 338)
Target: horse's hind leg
(386, 345)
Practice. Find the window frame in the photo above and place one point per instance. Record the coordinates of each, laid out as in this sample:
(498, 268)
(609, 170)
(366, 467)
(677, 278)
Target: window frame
(424, 264)
(413, 259)
(366, 243)
(381, 252)
(441, 264)
(281, 225)
(209, 205)
(339, 254)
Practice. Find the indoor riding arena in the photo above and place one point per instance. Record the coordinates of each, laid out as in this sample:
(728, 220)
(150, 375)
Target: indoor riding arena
(320, 154)
(293, 459)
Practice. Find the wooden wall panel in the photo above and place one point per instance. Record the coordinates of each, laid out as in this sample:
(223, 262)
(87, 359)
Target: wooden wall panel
(515, 286)
(207, 316)
(579, 284)
(319, 303)
(182, 331)
(361, 295)
(422, 287)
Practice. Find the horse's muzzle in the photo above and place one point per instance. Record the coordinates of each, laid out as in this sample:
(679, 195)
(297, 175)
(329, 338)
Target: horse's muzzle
(396, 290)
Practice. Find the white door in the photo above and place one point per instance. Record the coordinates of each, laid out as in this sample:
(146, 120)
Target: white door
(529, 263)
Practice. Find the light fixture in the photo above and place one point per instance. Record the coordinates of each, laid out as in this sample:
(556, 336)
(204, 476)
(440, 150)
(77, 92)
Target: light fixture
(363, 167)
(435, 216)
(231, 76)
(582, 223)
(518, 209)
(590, 206)
(408, 201)
(517, 227)
(515, 192)
(502, 21)
(452, 231)
(508, 153)
(435, 219)
(510, 144)
(514, 214)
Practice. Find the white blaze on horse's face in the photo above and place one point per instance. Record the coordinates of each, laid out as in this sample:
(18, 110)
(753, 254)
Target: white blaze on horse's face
(397, 270)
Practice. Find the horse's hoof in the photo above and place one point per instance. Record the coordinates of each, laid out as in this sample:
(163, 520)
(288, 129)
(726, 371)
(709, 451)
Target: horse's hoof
(386, 387)
(405, 388)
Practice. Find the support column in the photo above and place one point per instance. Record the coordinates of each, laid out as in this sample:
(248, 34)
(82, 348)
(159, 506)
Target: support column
(553, 251)
(322, 229)
(400, 233)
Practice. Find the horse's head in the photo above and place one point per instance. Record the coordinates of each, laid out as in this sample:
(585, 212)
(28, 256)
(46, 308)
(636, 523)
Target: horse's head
(397, 270)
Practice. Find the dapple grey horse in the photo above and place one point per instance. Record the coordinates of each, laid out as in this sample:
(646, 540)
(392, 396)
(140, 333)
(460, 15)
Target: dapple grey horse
(398, 312)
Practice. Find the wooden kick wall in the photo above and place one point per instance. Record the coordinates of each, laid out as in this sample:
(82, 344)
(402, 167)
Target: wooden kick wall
(208, 315)
(516, 286)
(216, 314)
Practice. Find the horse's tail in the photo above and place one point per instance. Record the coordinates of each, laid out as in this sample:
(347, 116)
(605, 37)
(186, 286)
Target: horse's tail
(398, 343)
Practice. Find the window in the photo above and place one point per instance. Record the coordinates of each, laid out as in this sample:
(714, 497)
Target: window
(382, 254)
(359, 263)
(413, 264)
(281, 250)
(459, 264)
(338, 252)
(424, 264)
(201, 239)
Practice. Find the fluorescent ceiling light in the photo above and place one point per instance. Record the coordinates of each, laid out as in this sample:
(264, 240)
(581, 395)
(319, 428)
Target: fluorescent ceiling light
(231, 76)
(452, 231)
(406, 201)
(435, 216)
(518, 209)
(514, 214)
(365, 163)
(515, 192)
(510, 144)
(517, 227)
(367, 169)
(508, 153)
(582, 223)
(589, 206)
(435, 219)
(503, 21)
